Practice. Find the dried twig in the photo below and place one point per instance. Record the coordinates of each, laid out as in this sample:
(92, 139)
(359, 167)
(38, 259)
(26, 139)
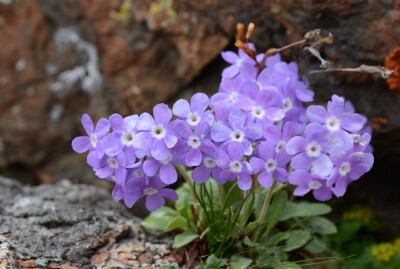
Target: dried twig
(324, 63)
(385, 73)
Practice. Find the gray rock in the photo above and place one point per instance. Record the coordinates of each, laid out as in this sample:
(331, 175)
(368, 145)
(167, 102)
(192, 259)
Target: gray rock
(68, 224)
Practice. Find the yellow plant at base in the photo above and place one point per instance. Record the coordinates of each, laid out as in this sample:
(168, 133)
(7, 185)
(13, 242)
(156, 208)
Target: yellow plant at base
(383, 251)
(363, 214)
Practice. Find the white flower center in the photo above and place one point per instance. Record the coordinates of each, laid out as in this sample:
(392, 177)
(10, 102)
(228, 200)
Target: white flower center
(194, 142)
(237, 136)
(233, 97)
(150, 191)
(209, 163)
(360, 156)
(138, 173)
(287, 104)
(239, 61)
(333, 123)
(158, 131)
(344, 168)
(167, 160)
(236, 166)
(127, 138)
(112, 162)
(93, 140)
(314, 185)
(113, 178)
(281, 145)
(270, 165)
(193, 119)
(313, 149)
(258, 112)
(356, 138)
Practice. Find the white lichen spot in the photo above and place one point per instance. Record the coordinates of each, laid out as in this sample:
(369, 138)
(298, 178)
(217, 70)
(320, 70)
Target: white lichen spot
(87, 76)
(20, 64)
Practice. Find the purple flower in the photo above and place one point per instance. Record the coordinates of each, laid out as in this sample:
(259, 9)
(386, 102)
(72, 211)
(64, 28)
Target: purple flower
(311, 151)
(234, 166)
(92, 142)
(193, 143)
(307, 182)
(280, 136)
(122, 137)
(236, 130)
(194, 113)
(270, 164)
(336, 120)
(151, 187)
(236, 60)
(107, 166)
(264, 107)
(166, 169)
(207, 168)
(348, 169)
(156, 135)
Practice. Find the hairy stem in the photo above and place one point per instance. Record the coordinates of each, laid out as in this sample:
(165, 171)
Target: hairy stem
(221, 194)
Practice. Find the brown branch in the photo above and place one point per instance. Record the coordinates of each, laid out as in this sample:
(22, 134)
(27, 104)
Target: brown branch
(385, 73)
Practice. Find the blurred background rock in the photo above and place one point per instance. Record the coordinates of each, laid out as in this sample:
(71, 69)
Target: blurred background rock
(60, 59)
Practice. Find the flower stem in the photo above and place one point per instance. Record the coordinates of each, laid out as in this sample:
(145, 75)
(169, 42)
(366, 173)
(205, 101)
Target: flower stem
(221, 194)
(188, 180)
(245, 206)
(264, 209)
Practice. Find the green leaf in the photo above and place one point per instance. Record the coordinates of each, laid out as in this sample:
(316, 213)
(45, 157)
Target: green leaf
(167, 267)
(178, 222)
(184, 238)
(217, 232)
(185, 199)
(288, 265)
(320, 225)
(304, 209)
(276, 210)
(160, 218)
(296, 239)
(316, 246)
(249, 243)
(214, 263)
(239, 262)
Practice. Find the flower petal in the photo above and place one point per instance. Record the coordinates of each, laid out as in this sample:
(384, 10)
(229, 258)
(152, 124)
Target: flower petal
(181, 108)
(257, 164)
(317, 113)
(117, 123)
(220, 133)
(154, 202)
(150, 167)
(201, 174)
(265, 179)
(299, 177)
(199, 102)
(81, 144)
(193, 157)
(168, 174)
(295, 145)
(158, 150)
(87, 123)
(162, 114)
(170, 194)
(145, 122)
(244, 181)
(102, 128)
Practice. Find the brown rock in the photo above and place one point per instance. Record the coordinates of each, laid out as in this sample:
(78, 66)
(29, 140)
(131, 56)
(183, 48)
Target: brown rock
(146, 257)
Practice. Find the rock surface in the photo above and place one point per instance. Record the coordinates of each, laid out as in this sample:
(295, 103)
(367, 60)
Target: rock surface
(60, 60)
(74, 226)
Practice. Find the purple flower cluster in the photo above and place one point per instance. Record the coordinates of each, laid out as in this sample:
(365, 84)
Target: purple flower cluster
(254, 128)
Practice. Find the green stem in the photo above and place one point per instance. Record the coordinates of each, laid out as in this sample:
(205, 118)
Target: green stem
(188, 180)
(221, 193)
(245, 206)
(264, 209)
